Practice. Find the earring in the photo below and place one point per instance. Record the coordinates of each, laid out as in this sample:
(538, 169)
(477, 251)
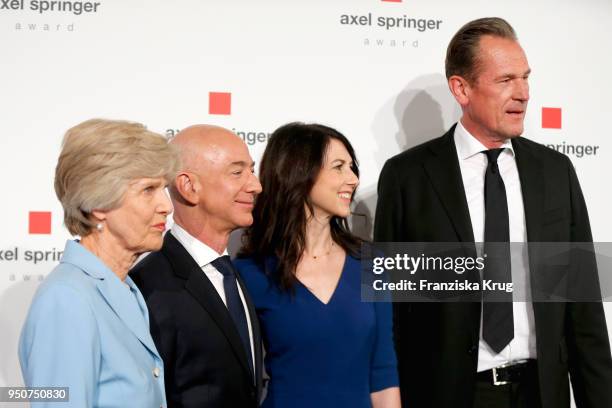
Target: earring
(99, 227)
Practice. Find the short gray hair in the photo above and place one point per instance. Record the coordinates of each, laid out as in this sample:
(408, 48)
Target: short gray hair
(462, 51)
(98, 160)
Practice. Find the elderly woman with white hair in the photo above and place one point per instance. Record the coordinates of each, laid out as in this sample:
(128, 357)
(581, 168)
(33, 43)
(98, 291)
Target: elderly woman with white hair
(87, 328)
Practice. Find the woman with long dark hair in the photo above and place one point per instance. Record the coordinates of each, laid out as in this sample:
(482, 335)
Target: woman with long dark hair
(301, 264)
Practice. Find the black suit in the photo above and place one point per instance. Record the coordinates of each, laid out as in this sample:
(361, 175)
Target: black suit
(204, 360)
(421, 198)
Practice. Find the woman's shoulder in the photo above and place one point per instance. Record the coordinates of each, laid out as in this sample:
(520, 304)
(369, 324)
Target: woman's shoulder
(67, 275)
(67, 286)
(253, 272)
(74, 270)
(64, 292)
(250, 267)
(252, 264)
(246, 262)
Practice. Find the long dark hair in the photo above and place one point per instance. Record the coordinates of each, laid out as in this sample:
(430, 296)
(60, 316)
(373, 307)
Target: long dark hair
(289, 168)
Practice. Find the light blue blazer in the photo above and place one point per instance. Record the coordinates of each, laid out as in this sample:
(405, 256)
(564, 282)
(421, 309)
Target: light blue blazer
(88, 331)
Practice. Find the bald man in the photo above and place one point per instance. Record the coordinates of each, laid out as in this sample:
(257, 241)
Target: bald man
(201, 317)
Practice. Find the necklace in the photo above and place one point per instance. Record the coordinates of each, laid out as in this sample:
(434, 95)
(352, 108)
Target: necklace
(326, 253)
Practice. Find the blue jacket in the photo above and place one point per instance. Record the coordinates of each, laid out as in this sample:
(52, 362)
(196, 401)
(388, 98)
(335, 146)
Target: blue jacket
(89, 331)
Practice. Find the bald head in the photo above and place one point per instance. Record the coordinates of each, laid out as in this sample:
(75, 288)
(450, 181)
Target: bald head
(214, 192)
(202, 145)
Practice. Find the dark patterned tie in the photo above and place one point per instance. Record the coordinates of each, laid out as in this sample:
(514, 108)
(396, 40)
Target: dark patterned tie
(497, 317)
(234, 305)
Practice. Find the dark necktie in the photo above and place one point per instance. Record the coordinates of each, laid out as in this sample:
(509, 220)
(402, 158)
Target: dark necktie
(234, 305)
(497, 318)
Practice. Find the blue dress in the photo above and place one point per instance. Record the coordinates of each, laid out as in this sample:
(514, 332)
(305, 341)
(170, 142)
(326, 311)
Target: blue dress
(322, 355)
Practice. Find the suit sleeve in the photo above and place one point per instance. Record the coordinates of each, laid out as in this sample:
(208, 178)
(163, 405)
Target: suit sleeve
(60, 345)
(389, 209)
(588, 346)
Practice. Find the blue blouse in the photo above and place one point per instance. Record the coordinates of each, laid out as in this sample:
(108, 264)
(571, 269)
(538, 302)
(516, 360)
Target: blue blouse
(322, 355)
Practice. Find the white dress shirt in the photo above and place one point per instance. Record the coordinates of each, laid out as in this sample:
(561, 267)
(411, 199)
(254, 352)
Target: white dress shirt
(204, 255)
(473, 165)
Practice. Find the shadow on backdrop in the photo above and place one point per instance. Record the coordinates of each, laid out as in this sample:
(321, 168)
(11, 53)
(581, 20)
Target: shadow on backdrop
(422, 111)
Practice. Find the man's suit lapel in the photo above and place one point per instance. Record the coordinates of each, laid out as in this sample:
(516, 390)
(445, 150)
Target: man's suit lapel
(532, 188)
(443, 171)
(200, 287)
(445, 175)
(256, 333)
(442, 168)
(126, 309)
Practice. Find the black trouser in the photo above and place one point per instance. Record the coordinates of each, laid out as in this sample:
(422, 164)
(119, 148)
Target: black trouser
(524, 393)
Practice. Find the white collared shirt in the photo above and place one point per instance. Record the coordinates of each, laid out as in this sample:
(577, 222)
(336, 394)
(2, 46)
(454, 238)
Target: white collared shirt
(473, 165)
(204, 255)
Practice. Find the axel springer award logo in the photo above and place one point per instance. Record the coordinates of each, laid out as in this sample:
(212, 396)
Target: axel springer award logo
(390, 25)
(44, 6)
(220, 103)
(33, 260)
(39, 222)
(28, 13)
(552, 121)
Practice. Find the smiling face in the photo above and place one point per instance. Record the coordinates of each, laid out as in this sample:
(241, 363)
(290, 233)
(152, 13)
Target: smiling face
(494, 104)
(139, 222)
(332, 192)
(228, 185)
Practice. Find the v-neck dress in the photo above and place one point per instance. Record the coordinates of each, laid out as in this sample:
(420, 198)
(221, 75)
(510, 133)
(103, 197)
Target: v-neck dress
(322, 354)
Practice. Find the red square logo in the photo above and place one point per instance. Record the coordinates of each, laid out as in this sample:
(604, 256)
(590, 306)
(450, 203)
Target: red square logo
(391, 1)
(39, 222)
(219, 103)
(551, 118)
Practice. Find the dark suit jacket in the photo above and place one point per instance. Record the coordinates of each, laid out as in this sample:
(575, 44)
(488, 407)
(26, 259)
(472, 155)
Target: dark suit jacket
(421, 198)
(204, 360)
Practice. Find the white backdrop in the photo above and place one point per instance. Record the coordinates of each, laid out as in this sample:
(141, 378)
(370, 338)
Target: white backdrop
(157, 62)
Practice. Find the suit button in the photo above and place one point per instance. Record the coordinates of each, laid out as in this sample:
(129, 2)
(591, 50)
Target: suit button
(156, 372)
(473, 350)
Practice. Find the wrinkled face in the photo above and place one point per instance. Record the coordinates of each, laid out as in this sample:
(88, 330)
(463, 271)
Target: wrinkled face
(497, 100)
(228, 186)
(139, 222)
(333, 190)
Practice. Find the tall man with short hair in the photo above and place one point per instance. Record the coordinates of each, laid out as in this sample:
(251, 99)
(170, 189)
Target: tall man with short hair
(201, 317)
(483, 182)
